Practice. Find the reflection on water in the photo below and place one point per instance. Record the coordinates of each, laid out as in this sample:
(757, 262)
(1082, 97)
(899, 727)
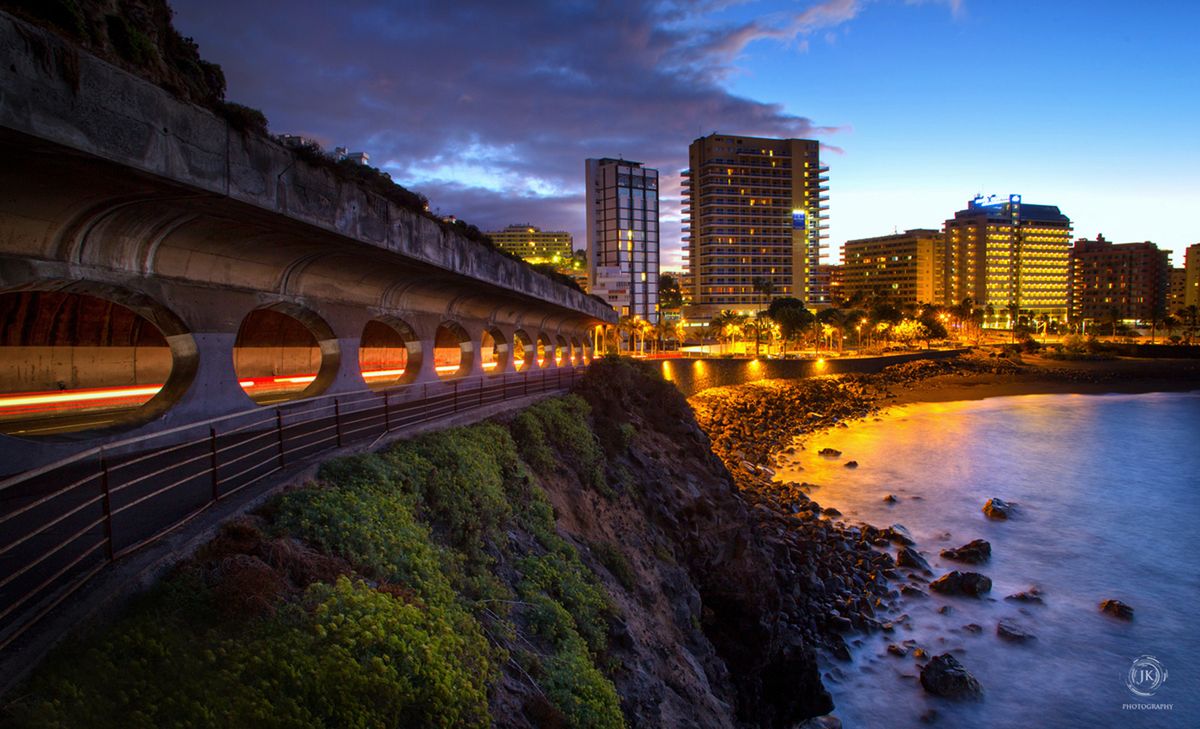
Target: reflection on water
(1109, 498)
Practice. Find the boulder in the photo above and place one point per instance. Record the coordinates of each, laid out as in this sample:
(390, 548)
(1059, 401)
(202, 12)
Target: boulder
(962, 583)
(1012, 632)
(997, 509)
(1031, 595)
(944, 676)
(828, 721)
(851, 464)
(909, 557)
(897, 533)
(829, 452)
(973, 552)
(891, 498)
(1117, 609)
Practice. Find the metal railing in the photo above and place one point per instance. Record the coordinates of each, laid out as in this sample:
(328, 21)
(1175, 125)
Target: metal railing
(63, 523)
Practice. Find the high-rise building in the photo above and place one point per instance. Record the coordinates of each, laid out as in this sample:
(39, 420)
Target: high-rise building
(1005, 255)
(903, 268)
(534, 244)
(1177, 290)
(622, 235)
(1191, 266)
(1125, 281)
(756, 211)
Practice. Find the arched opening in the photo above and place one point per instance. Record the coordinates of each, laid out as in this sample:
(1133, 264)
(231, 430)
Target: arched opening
(284, 352)
(78, 356)
(522, 351)
(389, 353)
(493, 351)
(576, 352)
(562, 352)
(452, 350)
(544, 351)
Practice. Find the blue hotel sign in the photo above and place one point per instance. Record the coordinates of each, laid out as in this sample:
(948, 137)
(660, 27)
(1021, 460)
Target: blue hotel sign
(798, 220)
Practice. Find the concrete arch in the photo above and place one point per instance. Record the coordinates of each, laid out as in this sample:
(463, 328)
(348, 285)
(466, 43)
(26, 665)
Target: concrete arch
(524, 351)
(451, 334)
(495, 361)
(543, 351)
(258, 367)
(383, 363)
(176, 336)
(562, 351)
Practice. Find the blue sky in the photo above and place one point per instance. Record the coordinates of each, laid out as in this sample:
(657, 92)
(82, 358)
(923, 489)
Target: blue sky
(490, 108)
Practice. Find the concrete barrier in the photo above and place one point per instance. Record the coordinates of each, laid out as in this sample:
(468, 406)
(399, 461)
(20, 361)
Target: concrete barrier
(693, 375)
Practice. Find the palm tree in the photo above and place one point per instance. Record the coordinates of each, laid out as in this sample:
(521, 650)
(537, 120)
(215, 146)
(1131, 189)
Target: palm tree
(1190, 314)
(766, 288)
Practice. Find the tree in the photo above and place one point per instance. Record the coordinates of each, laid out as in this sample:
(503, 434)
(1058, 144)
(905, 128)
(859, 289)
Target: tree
(909, 331)
(792, 317)
(670, 296)
(1190, 314)
(766, 289)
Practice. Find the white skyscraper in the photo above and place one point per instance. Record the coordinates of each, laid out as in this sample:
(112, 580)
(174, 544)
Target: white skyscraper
(622, 235)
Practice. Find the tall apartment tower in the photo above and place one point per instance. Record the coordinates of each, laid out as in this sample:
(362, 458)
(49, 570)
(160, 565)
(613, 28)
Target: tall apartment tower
(1191, 268)
(622, 235)
(1128, 280)
(1004, 253)
(904, 268)
(756, 210)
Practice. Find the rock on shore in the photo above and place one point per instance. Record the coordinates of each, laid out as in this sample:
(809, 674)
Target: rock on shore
(973, 552)
(998, 509)
(944, 676)
(1117, 609)
(962, 583)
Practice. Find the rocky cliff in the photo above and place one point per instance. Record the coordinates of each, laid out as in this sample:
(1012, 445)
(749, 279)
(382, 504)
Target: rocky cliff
(588, 562)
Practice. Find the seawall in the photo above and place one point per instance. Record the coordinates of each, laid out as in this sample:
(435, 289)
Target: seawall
(693, 375)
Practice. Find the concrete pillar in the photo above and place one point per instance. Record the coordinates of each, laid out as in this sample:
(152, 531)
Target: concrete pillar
(426, 372)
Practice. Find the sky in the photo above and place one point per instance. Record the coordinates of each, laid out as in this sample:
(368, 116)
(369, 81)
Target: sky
(490, 107)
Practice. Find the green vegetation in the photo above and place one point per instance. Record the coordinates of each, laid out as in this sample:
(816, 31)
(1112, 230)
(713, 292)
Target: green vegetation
(556, 431)
(397, 590)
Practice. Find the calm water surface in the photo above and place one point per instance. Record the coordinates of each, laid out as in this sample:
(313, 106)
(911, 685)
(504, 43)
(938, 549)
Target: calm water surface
(1108, 488)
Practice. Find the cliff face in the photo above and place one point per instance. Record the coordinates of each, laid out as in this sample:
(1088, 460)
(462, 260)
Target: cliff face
(587, 563)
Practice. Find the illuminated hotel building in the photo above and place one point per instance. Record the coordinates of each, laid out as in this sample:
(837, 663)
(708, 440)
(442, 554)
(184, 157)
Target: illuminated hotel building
(1177, 290)
(534, 244)
(1006, 254)
(903, 268)
(1126, 280)
(1191, 268)
(622, 235)
(755, 210)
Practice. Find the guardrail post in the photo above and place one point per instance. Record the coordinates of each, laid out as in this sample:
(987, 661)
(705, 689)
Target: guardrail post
(279, 429)
(456, 396)
(108, 535)
(212, 460)
(337, 421)
(387, 415)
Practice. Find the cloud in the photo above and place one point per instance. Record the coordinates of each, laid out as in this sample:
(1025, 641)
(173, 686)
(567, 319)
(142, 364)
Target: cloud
(490, 108)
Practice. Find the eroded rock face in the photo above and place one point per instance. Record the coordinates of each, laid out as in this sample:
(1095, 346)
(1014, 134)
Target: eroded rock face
(998, 509)
(973, 552)
(962, 583)
(944, 676)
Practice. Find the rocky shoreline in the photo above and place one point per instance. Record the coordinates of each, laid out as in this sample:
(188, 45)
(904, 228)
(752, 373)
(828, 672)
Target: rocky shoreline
(853, 579)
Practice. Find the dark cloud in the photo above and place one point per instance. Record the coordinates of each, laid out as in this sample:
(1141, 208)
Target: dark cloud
(491, 107)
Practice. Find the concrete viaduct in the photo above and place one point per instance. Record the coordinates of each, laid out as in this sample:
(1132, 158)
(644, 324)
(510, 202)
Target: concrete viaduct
(209, 262)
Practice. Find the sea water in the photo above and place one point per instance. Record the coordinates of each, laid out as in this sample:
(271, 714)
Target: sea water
(1107, 489)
